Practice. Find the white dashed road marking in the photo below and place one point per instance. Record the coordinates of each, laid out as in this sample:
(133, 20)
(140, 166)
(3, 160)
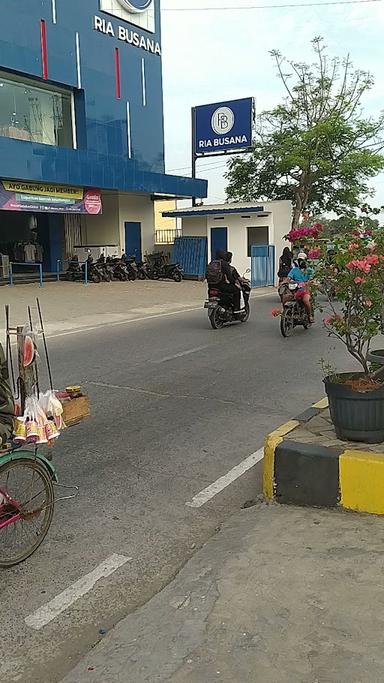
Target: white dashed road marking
(220, 484)
(45, 614)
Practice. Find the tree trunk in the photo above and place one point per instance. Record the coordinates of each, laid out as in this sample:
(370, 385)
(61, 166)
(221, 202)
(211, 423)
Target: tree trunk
(301, 200)
(296, 216)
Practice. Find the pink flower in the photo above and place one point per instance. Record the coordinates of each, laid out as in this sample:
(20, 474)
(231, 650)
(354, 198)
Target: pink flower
(276, 312)
(365, 264)
(359, 280)
(314, 253)
(373, 259)
(368, 303)
(333, 319)
(353, 246)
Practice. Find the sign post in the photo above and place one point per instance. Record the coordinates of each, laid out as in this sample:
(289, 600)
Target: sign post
(222, 128)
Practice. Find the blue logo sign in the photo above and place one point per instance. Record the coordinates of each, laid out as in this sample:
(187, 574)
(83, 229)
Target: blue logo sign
(224, 126)
(135, 5)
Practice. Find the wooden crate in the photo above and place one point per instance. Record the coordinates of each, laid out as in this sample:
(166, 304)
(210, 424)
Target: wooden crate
(75, 410)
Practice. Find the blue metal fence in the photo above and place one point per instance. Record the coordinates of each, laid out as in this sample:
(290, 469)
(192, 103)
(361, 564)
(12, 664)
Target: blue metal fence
(38, 266)
(263, 265)
(192, 254)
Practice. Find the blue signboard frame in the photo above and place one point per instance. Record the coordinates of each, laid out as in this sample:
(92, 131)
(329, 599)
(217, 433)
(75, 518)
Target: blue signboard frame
(223, 127)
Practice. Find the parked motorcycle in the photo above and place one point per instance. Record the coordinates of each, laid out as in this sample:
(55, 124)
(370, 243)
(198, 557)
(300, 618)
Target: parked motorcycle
(120, 271)
(131, 267)
(94, 271)
(294, 312)
(167, 271)
(142, 270)
(73, 272)
(159, 268)
(220, 306)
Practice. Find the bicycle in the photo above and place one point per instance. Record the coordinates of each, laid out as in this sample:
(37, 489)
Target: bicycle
(26, 504)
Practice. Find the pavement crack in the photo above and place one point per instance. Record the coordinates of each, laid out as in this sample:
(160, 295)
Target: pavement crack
(137, 390)
(158, 394)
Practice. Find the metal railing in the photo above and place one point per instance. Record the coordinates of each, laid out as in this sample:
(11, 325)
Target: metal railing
(11, 281)
(166, 236)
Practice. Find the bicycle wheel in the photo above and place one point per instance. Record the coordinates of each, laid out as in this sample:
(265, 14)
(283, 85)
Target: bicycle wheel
(26, 509)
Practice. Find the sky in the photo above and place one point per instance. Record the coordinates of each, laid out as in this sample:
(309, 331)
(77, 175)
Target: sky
(213, 56)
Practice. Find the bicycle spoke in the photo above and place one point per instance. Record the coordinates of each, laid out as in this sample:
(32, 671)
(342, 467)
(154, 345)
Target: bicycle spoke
(27, 483)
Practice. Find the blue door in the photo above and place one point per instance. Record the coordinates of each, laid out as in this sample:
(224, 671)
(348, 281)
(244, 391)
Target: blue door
(219, 240)
(133, 240)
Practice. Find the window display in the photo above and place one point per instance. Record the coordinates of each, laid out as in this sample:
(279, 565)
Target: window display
(35, 113)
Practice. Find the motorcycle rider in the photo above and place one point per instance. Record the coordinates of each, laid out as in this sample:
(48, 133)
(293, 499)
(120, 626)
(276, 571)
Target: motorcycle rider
(228, 277)
(302, 274)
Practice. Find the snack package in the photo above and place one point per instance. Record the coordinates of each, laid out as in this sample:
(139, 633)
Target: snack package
(52, 408)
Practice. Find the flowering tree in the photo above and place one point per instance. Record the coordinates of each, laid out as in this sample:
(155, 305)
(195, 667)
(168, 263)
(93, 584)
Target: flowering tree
(316, 147)
(351, 274)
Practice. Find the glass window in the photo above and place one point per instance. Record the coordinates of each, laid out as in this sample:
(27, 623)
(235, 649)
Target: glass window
(38, 114)
(257, 236)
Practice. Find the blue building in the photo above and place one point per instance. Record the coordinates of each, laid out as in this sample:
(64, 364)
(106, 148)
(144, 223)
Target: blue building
(81, 127)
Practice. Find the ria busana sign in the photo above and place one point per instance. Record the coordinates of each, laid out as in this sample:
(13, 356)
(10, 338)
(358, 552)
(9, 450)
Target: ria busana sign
(127, 35)
(223, 127)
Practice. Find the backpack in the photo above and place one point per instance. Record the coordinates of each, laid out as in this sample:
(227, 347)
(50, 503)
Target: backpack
(214, 273)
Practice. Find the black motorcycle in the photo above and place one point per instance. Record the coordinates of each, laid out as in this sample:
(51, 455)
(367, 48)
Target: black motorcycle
(294, 312)
(167, 271)
(159, 268)
(142, 270)
(131, 267)
(74, 272)
(120, 271)
(220, 306)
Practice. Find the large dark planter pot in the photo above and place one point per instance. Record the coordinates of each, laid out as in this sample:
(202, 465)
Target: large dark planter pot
(357, 416)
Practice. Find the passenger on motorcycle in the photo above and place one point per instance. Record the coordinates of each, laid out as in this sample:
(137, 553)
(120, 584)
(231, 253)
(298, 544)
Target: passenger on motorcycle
(225, 280)
(302, 274)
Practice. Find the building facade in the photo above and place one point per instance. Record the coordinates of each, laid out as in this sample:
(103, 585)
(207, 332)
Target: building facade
(237, 227)
(81, 127)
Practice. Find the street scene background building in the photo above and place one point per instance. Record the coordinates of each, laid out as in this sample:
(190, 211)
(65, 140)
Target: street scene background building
(81, 128)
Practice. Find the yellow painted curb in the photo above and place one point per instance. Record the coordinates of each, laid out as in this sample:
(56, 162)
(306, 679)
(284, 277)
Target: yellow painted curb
(321, 404)
(271, 442)
(362, 481)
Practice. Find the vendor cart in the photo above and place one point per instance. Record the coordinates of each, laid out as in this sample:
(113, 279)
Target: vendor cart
(31, 421)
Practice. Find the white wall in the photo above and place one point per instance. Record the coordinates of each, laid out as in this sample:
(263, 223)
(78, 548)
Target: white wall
(194, 227)
(238, 235)
(281, 225)
(137, 208)
(104, 229)
(118, 208)
(276, 217)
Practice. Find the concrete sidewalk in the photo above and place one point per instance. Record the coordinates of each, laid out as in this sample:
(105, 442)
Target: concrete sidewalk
(71, 306)
(280, 595)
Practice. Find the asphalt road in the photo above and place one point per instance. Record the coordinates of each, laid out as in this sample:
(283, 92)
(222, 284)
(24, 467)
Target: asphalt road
(175, 405)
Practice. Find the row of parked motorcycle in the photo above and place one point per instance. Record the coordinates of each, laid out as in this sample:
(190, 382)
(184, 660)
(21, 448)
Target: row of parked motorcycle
(124, 268)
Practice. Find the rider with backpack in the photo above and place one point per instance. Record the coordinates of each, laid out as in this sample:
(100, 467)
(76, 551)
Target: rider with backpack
(221, 276)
